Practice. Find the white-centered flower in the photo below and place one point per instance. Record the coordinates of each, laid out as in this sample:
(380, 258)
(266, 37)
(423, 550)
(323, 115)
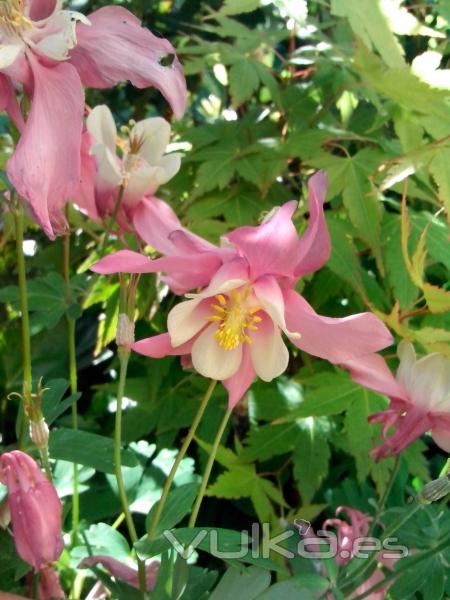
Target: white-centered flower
(144, 166)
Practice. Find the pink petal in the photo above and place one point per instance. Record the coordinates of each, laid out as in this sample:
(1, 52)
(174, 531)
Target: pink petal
(41, 9)
(336, 340)
(8, 102)
(184, 273)
(272, 247)
(229, 276)
(154, 221)
(270, 296)
(116, 48)
(45, 168)
(122, 571)
(238, 384)
(85, 195)
(408, 427)
(159, 346)
(49, 585)
(371, 371)
(315, 246)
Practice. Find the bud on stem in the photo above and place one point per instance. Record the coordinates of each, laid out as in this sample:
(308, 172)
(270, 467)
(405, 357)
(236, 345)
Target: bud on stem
(125, 331)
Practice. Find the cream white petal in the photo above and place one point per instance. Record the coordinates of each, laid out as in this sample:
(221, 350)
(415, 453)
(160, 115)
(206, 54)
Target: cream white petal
(155, 135)
(100, 124)
(108, 171)
(9, 52)
(269, 354)
(184, 321)
(170, 165)
(211, 360)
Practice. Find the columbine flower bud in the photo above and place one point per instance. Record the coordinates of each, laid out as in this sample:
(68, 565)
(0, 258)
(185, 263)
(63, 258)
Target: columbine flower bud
(435, 490)
(39, 433)
(125, 331)
(35, 509)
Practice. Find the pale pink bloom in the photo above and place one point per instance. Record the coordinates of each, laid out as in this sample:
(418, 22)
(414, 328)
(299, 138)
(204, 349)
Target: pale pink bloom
(143, 167)
(49, 585)
(35, 509)
(50, 53)
(233, 327)
(347, 534)
(419, 397)
(122, 571)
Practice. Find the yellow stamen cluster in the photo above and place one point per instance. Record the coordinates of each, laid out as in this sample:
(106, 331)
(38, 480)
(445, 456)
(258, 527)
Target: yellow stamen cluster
(236, 317)
(12, 18)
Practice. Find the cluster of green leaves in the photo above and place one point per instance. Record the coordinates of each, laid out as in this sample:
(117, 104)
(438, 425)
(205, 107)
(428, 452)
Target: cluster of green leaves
(277, 90)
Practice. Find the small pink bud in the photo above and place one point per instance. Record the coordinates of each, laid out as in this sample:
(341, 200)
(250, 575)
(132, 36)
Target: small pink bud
(125, 331)
(39, 433)
(35, 509)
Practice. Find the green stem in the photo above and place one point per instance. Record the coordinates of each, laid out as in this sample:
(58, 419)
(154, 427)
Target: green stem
(71, 340)
(124, 355)
(410, 564)
(385, 496)
(43, 452)
(352, 581)
(181, 454)
(208, 468)
(26, 345)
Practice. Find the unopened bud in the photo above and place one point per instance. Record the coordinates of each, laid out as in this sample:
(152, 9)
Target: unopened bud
(39, 433)
(435, 490)
(125, 331)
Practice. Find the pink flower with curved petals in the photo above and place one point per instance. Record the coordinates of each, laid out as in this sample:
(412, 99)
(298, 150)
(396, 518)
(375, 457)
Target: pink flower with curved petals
(50, 53)
(35, 510)
(233, 327)
(419, 397)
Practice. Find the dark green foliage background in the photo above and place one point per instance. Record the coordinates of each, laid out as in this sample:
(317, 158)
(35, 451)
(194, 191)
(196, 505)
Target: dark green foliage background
(335, 91)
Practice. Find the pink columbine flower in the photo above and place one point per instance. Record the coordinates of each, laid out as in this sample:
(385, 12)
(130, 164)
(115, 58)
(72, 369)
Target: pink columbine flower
(419, 397)
(348, 539)
(232, 328)
(50, 53)
(122, 571)
(35, 509)
(142, 168)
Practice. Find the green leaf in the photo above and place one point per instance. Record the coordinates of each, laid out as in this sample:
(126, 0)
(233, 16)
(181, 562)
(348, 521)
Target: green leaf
(53, 405)
(88, 449)
(343, 260)
(245, 584)
(237, 7)
(368, 21)
(403, 288)
(270, 440)
(100, 539)
(291, 588)
(178, 505)
(311, 457)
(412, 580)
(244, 80)
(332, 396)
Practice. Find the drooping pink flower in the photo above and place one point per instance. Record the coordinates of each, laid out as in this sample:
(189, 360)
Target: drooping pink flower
(143, 167)
(419, 397)
(345, 542)
(232, 328)
(122, 571)
(49, 585)
(35, 510)
(50, 53)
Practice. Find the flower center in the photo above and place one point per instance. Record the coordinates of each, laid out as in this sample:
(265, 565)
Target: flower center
(236, 317)
(12, 19)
